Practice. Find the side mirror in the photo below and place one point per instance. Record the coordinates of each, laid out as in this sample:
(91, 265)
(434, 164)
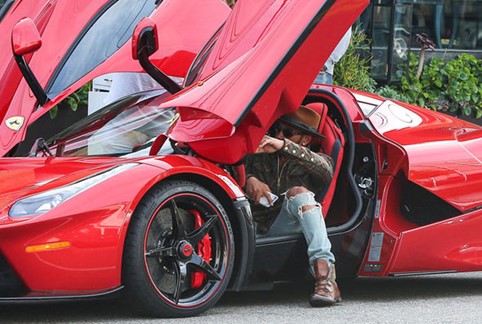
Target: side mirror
(26, 40)
(144, 39)
(25, 37)
(144, 44)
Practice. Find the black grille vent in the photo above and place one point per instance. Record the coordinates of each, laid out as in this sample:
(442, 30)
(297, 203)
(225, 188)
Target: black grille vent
(10, 283)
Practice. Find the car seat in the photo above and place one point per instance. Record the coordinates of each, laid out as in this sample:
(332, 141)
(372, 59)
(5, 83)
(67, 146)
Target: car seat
(332, 145)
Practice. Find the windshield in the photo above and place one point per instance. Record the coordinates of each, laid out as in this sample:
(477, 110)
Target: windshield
(126, 126)
(4, 6)
(200, 60)
(129, 125)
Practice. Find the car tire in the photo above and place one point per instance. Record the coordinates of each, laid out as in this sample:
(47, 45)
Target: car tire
(179, 251)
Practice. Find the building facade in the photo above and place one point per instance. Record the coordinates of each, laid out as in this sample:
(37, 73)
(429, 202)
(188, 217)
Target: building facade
(454, 26)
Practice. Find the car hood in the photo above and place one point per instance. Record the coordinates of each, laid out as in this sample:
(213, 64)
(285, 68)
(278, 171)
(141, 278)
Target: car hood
(20, 177)
(184, 26)
(261, 67)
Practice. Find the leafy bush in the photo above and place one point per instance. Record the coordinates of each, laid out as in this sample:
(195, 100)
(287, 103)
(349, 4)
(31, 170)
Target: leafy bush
(454, 86)
(79, 97)
(353, 69)
(463, 77)
(389, 92)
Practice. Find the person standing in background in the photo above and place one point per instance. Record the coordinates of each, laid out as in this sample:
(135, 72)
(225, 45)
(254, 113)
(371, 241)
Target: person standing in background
(325, 76)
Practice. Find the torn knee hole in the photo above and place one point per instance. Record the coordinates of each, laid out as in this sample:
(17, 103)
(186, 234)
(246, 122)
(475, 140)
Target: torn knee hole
(295, 191)
(306, 208)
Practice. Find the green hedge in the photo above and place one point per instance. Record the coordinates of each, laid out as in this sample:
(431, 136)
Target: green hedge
(454, 85)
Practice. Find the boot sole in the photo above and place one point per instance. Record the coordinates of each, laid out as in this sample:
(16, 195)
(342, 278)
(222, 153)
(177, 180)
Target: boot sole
(323, 302)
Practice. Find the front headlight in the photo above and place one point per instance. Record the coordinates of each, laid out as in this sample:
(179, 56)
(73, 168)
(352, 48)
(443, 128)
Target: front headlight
(47, 200)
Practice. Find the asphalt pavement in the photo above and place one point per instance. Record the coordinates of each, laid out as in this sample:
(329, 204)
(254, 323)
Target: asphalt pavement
(451, 298)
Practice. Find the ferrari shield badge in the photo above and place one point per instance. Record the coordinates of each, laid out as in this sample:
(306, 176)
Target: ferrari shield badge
(15, 122)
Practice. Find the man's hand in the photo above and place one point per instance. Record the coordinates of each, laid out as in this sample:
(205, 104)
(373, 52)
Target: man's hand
(270, 145)
(256, 189)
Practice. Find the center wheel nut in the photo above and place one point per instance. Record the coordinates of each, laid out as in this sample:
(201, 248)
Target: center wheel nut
(185, 250)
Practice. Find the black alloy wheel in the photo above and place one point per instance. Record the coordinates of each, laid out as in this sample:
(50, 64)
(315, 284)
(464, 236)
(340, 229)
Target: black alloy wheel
(179, 251)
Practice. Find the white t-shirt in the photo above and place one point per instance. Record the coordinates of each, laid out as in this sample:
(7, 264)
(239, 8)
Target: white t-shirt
(338, 52)
(124, 84)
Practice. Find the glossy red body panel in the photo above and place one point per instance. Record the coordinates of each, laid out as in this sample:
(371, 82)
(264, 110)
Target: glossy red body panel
(450, 176)
(10, 76)
(455, 245)
(180, 38)
(261, 67)
(16, 94)
(429, 149)
(87, 222)
(277, 46)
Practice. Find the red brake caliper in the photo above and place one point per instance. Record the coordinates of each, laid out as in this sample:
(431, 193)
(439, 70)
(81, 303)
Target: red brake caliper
(203, 250)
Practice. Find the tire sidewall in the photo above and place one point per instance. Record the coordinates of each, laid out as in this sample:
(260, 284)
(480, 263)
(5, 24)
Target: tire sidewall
(137, 282)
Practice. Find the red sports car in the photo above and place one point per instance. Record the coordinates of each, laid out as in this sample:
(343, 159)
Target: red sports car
(116, 202)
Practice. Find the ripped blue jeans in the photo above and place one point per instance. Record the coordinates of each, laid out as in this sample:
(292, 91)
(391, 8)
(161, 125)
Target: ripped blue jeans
(311, 223)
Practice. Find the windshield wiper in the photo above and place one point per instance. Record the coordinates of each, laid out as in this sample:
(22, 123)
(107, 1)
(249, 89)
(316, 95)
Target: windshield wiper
(40, 146)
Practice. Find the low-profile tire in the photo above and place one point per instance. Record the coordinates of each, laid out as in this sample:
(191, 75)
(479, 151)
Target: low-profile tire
(179, 251)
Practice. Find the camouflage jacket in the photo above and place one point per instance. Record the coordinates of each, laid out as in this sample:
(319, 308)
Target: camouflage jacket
(293, 165)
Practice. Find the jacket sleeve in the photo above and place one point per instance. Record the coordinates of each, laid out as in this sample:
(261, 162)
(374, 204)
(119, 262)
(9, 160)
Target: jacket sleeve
(318, 164)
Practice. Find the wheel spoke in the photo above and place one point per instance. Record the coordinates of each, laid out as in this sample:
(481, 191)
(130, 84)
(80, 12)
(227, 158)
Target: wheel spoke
(180, 272)
(202, 265)
(179, 229)
(196, 236)
(161, 252)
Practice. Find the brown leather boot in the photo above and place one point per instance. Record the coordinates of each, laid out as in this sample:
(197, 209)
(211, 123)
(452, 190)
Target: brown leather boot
(326, 290)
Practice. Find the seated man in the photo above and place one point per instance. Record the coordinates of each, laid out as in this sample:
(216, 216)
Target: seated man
(284, 165)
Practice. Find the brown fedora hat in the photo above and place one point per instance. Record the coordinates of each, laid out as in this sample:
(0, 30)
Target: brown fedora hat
(305, 119)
